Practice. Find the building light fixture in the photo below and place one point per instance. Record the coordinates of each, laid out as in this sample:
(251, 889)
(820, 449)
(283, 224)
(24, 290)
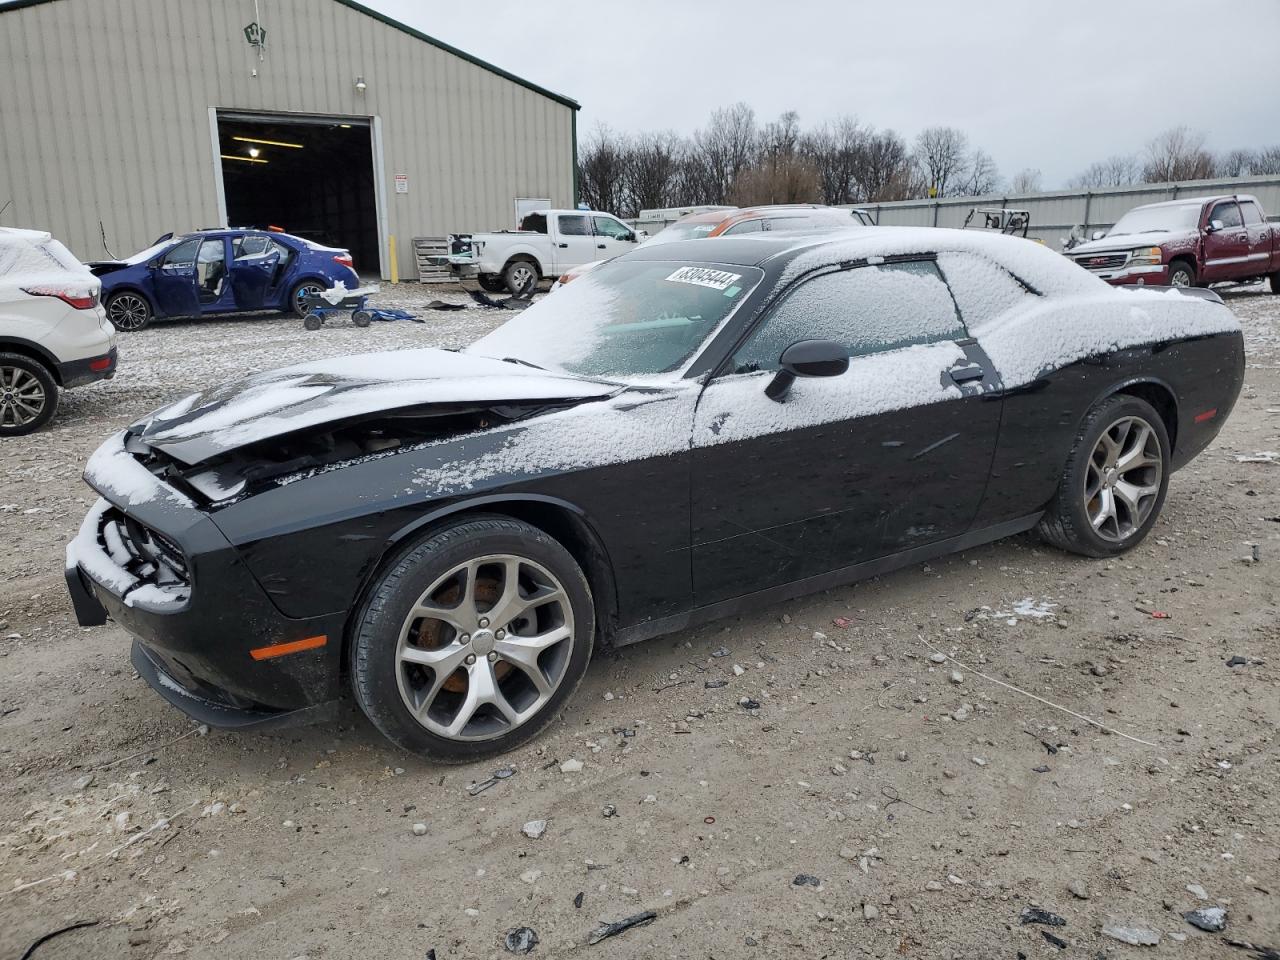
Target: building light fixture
(268, 143)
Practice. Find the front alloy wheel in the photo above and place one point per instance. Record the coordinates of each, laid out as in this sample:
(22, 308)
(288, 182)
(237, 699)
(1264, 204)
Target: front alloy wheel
(469, 644)
(128, 312)
(484, 649)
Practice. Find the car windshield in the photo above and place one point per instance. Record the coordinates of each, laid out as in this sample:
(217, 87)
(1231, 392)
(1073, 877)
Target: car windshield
(683, 231)
(1158, 219)
(142, 256)
(626, 318)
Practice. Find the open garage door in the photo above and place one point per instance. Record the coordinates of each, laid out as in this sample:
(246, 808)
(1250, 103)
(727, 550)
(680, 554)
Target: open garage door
(310, 176)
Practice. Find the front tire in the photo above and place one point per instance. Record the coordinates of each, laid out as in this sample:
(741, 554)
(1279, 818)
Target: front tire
(1181, 274)
(472, 641)
(1275, 282)
(28, 395)
(1115, 481)
(128, 312)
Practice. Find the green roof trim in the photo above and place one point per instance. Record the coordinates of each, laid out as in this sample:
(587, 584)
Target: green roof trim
(404, 28)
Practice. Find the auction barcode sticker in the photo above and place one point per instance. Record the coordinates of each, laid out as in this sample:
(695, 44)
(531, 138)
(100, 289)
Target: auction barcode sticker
(705, 277)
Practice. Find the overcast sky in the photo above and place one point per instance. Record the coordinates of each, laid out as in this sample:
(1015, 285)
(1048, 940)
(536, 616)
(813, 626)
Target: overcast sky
(1036, 83)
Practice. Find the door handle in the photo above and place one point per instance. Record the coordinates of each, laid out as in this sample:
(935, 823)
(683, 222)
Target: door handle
(563, 246)
(967, 374)
(600, 246)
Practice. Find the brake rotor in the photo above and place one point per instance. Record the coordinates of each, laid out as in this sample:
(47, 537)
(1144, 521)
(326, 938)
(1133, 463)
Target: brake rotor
(434, 634)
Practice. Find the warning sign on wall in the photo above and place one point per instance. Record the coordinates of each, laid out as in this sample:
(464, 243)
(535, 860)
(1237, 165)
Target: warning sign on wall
(402, 183)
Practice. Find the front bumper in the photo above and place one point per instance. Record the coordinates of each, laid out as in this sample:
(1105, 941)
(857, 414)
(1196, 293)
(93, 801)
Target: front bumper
(198, 628)
(1150, 275)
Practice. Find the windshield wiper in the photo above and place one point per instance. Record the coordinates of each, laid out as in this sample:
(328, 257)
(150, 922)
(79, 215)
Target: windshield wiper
(523, 363)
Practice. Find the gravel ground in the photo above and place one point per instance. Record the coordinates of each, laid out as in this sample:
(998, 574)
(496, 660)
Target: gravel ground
(876, 803)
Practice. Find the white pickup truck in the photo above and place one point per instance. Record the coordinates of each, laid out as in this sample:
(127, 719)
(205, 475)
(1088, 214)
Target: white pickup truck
(548, 243)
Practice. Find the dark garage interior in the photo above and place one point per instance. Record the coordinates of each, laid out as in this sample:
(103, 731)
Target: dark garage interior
(313, 179)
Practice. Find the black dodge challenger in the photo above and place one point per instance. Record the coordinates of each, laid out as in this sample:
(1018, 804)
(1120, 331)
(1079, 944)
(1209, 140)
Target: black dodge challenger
(687, 431)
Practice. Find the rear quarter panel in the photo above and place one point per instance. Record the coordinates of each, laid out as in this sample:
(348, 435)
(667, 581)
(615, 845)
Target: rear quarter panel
(1187, 349)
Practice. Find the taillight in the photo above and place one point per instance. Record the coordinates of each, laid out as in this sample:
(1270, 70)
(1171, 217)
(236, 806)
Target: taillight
(78, 297)
(345, 260)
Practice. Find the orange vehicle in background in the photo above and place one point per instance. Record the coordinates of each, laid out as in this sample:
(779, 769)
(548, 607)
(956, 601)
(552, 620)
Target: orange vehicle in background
(735, 221)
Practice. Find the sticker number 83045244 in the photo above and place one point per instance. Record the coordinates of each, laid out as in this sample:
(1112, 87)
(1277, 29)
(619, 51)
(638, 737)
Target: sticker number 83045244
(705, 277)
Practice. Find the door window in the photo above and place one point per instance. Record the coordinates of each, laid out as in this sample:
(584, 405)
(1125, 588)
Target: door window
(211, 269)
(611, 228)
(746, 226)
(573, 226)
(869, 309)
(1227, 212)
(184, 254)
(1252, 212)
(249, 246)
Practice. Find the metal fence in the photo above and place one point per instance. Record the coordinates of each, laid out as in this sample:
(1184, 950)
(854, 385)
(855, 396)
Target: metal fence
(1054, 214)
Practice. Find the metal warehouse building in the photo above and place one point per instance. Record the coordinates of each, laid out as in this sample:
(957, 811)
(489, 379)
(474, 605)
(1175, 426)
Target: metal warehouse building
(121, 120)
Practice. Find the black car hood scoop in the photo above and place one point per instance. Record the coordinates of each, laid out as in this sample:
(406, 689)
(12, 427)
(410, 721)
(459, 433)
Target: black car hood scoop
(326, 392)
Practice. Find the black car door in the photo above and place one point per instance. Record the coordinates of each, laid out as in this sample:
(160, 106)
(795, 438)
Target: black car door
(890, 455)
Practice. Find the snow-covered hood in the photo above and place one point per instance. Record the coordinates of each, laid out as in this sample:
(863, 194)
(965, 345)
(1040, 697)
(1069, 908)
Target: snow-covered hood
(325, 392)
(1129, 241)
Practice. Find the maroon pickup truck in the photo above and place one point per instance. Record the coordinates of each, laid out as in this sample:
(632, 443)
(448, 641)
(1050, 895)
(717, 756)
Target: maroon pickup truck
(1183, 243)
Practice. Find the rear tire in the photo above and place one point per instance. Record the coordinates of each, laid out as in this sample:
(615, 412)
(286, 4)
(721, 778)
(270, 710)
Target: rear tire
(436, 676)
(300, 292)
(520, 277)
(1115, 480)
(28, 395)
(128, 312)
(361, 318)
(313, 322)
(1275, 282)
(1182, 274)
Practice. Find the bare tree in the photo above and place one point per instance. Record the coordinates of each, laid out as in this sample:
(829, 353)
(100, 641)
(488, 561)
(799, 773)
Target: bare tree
(1025, 181)
(602, 169)
(885, 170)
(1249, 163)
(981, 175)
(724, 148)
(837, 151)
(943, 156)
(1177, 154)
(653, 172)
(1266, 162)
(1116, 171)
(791, 179)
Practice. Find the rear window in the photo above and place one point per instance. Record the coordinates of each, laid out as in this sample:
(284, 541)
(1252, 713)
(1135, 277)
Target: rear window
(23, 256)
(982, 288)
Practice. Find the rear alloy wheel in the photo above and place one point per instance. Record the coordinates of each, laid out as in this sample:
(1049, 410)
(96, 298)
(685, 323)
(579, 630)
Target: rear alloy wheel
(28, 395)
(520, 277)
(298, 299)
(1181, 274)
(128, 312)
(473, 640)
(1115, 482)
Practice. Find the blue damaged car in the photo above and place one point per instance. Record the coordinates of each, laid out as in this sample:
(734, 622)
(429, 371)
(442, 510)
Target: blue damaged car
(219, 271)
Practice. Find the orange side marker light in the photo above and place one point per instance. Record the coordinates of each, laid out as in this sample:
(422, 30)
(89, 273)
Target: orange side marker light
(283, 649)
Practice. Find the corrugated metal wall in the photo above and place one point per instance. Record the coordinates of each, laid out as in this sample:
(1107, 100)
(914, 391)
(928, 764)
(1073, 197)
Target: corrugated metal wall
(1054, 214)
(104, 115)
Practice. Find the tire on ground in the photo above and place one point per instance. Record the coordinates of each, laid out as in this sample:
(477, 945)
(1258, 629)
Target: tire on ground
(138, 315)
(296, 293)
(376, 633)
(25, 383)
(1065, 522)
(520, 276)
(1185, 269)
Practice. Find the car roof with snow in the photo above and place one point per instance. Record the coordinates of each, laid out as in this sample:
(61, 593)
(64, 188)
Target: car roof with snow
(791, 254)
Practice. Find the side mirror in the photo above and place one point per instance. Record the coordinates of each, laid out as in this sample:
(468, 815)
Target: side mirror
(630, 238)
(1098, 234)
(1214, 226)
(807, 358)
